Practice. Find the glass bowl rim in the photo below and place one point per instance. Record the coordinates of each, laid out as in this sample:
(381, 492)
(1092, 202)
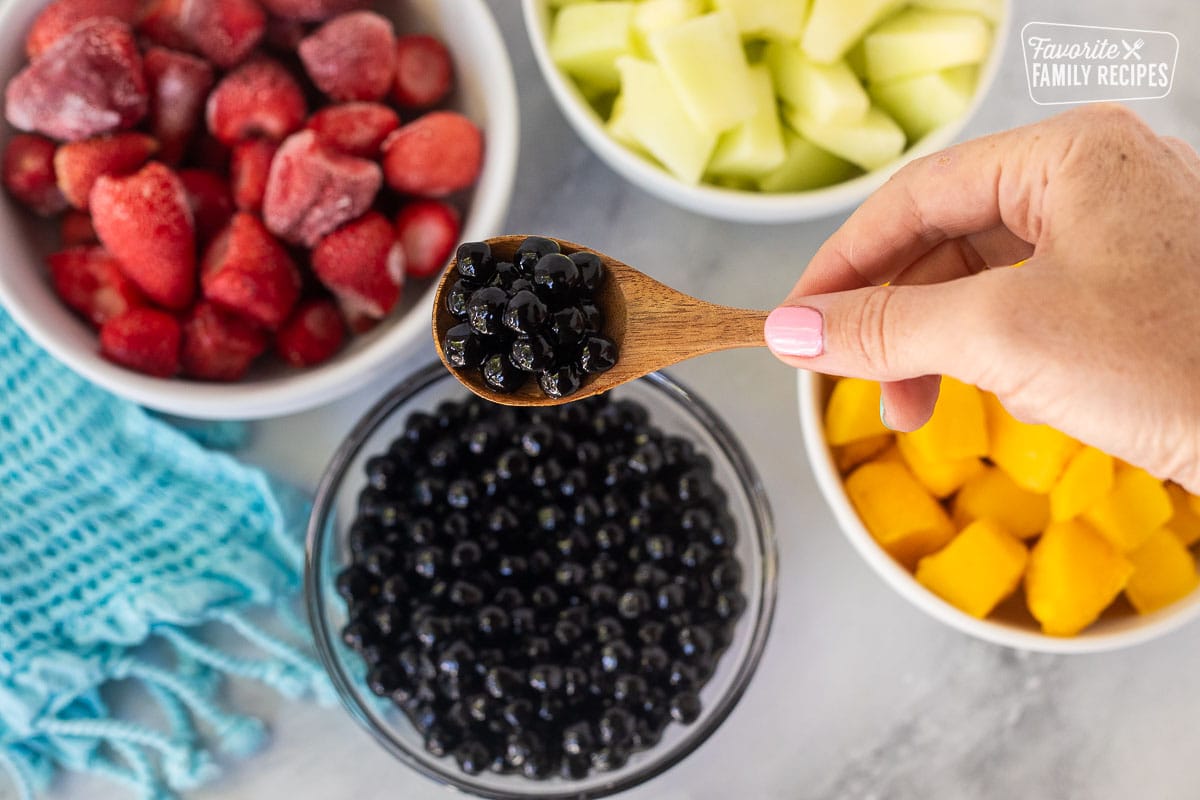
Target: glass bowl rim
(749, 484)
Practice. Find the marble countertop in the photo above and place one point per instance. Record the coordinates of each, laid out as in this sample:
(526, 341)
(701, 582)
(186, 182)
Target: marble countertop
(859, 695)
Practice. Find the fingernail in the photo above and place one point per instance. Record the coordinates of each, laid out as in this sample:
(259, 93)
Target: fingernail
(883, 414)
(795, 331)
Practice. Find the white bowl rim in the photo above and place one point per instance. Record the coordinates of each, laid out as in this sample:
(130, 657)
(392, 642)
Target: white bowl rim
(731, 204)
(1096, 639)
(325, 383)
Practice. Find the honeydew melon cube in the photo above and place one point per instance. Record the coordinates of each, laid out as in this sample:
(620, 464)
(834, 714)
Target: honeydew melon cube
(900, 515)
(990, 9)
(872, 142)
(586, 40)
(922, 103)
(806, 167)
(754, 147)
(652, 116)
(835, 25)
(825, 93)
(561, 3)
(704, 62)
(654, 15)
(917, 41)
(1185, 522)
(1073, 574)
(856, 59)
(1163, 572)
(769, 19)
(979, 568)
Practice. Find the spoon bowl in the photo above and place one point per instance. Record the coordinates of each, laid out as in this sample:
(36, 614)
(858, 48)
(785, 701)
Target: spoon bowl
(652, 325)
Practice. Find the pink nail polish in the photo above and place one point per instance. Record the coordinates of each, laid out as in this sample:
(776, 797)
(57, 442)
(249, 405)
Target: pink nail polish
(795, 331)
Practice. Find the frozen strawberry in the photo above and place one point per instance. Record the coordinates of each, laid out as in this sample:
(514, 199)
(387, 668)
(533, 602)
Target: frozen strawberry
(428, 231)
(161, 22)
(210, 201)
(433, 156)
(259, 98)
(87, 83)
(249, 166)
(424, 72)
(311, 10)
(284, 35)
(313, 334)
(352, 57)
(218, 345)
(247, 271)
(61, 16)
(76, 229)
(145, 221)
(78, 164)
(356, 129)
(29, 174)
(143, 339)
(312, 190)
(363, 265)
(225, 31)
(90, 281)
(179, 84)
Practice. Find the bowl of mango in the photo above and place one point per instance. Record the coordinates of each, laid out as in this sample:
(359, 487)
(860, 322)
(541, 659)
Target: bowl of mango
(766, 110)
(1012, 532)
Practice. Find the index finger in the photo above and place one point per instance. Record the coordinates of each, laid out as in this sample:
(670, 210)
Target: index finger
(952, 193)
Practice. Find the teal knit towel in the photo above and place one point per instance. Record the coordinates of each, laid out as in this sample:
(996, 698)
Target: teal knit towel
(117, 529)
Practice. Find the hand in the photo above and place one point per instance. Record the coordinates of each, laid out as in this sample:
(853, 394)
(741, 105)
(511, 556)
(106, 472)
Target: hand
(1097, 334)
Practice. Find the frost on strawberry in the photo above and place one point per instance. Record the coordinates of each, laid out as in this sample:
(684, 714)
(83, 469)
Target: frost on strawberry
(144, 220)
(179, 84)
(143, 339)
(363, 265)
(247, 271)
(351, 57)
(225, 31)
(312, 190)
(424, 72)
(428, 230)
(78, 165)
(86, 83)
(312, 335)
(219, 345)
(356, 129)
(260, 98)
(433, 156)
(60, 17)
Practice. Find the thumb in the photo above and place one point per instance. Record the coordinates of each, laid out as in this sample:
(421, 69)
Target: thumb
(894, 333)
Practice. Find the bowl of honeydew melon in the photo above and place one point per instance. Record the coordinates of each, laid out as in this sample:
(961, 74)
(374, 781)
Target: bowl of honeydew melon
(766, 110)
(1011, 532)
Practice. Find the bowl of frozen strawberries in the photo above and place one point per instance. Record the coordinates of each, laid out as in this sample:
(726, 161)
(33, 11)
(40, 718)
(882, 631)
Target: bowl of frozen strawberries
(238, 208)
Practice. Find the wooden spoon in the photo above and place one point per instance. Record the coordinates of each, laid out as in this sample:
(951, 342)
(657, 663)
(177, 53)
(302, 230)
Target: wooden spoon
(653, 326)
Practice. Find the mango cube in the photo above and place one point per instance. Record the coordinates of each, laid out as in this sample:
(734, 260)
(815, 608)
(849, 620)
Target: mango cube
(1073, 575)
(806, 166)
(754, 147)
(835, 25)
(940, 475)
(979, 568)
(1163, 572)
(769, 19)
(1087, 477)
(1185, 521)
(652, 117)
(853, 412)
(958, 427)
(1033, 455)
(1137, 506)
(849, 456)
(917, 41)
(904, 518)
(704, 62)
(1194, 501)
(586, 40)
(872, 142)
(992, 494)
(824, 93)
(923, 103)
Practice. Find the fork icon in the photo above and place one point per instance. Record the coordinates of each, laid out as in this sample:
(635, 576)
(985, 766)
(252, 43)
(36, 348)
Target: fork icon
(1132, 49)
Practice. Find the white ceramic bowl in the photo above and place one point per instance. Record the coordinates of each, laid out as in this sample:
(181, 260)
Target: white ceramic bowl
(730, 204)
(486, 92)
(1010, 625)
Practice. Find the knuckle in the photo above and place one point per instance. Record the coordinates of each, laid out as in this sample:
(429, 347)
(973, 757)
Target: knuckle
(869, 331)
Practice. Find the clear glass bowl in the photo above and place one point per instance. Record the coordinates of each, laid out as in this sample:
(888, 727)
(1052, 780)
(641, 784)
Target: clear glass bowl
(675, 410)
